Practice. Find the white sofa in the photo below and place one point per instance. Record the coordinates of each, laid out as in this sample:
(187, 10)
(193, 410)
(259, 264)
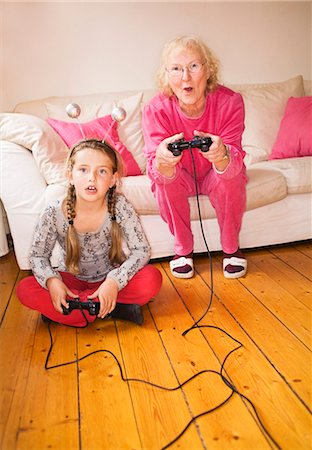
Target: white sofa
(278, 191)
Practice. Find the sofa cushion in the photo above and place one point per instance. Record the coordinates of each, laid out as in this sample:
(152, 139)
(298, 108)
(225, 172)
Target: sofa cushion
(99, 128)
(33, 133)
(263, 187)
(297, 172)
(264, 109)
(295, 133)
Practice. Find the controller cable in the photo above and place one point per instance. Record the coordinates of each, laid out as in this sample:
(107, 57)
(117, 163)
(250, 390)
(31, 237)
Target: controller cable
(221, 374)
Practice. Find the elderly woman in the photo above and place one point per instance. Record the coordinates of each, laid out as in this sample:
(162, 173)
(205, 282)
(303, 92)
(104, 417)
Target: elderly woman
(192, 103)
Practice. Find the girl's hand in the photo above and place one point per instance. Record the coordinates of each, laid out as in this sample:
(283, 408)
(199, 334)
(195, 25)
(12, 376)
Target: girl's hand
(58, 292)
(217, 153)
(165, 160)
(107, 294)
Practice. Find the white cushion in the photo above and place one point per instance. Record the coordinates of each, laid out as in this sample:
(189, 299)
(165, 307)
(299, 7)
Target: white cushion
(264, 109)
(33, 133)
(297, 172)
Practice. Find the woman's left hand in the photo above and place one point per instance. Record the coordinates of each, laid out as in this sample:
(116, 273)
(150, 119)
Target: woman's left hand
(217, 153)
(107, 294)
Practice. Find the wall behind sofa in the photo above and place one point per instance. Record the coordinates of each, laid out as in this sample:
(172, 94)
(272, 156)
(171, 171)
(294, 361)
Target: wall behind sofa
(55, 48)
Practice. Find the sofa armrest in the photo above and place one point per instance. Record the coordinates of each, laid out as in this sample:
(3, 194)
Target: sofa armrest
(22, 190)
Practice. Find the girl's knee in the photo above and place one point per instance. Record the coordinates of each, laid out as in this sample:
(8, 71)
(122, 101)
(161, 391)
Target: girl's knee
(30, 293)
(152, 281)
(23, 288)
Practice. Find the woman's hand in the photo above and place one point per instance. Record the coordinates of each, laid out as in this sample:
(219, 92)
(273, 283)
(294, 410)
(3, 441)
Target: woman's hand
(58, 292)
(165, 161)
(217, 153)
(107, 294)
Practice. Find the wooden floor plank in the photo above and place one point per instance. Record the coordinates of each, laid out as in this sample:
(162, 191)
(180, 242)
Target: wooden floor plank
(287, 300)
(303, 247)
(160, 415)
(274, 339)
(49, 414)
(255, 384)
(290, 280)
(231, 426)
(9, 272)
(297, 260)
(101, 387)
(16, 346)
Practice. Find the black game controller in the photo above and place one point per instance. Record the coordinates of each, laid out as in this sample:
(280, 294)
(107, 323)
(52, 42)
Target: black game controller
(203, 143)
(92, 307)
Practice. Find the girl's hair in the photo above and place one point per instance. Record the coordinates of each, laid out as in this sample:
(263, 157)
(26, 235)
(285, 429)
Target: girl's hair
(192, 43)
(116, 254)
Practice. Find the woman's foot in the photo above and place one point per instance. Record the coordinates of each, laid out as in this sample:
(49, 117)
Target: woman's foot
(234, 265)
(182, 266)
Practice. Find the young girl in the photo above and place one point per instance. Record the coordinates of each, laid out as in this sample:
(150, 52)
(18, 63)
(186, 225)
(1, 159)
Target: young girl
(104, 249)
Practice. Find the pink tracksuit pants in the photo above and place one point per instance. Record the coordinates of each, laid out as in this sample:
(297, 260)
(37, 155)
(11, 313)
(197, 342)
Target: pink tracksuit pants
(227, 196)
(144, 285)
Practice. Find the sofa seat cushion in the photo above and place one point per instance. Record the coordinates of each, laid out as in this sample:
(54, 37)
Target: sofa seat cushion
(297, 172)
(263, 187)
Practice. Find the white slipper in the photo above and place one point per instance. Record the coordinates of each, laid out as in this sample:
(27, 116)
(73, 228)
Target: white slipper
(180, 262)
(234, 261)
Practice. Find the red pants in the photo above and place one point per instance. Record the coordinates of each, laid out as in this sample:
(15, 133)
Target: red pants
(141, 288)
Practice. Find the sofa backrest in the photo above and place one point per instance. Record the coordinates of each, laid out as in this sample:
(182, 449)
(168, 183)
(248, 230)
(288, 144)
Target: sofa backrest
(40, 107)
(265, 105)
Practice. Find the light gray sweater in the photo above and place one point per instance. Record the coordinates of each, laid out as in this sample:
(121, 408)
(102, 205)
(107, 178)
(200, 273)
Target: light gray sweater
(94, 246)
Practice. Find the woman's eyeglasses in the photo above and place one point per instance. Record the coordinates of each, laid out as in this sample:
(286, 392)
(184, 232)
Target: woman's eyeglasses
(177, 71)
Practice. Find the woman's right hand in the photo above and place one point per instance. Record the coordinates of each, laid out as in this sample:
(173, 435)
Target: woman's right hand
(165, 161)
(58, 292)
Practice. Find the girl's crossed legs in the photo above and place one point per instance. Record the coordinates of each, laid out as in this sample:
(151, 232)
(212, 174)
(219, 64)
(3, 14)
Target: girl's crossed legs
(144, 285)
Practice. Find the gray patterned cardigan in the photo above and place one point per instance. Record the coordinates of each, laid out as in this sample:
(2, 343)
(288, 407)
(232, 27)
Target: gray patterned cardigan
(94, 262)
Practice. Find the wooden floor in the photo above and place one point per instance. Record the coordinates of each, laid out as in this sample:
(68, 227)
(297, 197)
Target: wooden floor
(86, 405)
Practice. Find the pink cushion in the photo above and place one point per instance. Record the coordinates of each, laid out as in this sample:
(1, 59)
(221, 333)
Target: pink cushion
(294, 137)
(100, 128)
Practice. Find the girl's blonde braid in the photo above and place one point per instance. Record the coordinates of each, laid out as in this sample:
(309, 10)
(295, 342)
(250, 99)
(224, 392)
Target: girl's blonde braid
(111, 202)
(72, 243)
(70, 204)
(116, 254)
